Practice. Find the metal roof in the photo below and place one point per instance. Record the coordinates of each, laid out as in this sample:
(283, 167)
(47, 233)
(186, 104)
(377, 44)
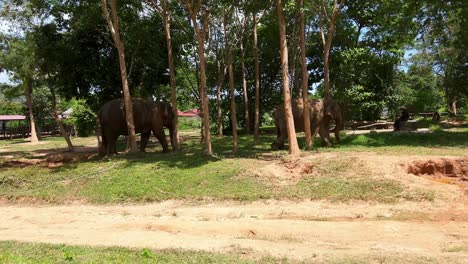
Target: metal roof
(12, 117)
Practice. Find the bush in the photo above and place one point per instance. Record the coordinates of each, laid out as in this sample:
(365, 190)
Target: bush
(82, 118)
(189, 123)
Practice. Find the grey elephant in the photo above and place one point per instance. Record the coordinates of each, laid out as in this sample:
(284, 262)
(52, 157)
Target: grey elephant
(322, 113)
(148, 117)
(168, 118)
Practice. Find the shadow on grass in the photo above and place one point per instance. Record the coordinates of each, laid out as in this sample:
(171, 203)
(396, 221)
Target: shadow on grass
(438, 138)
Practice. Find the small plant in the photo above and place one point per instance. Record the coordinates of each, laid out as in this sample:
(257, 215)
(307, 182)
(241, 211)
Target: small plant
(67, 254)
(146, 253)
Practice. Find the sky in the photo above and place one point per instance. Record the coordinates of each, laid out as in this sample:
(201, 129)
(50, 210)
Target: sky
(4, 78)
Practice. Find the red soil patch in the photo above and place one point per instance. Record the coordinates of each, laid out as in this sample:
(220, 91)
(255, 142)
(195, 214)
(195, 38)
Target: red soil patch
(284, 172)
(441, 167)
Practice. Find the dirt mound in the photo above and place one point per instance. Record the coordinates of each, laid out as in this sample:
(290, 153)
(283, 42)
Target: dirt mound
(441, 167)
(67, 157)
(20, 163)
(51, 160)
(284, 172)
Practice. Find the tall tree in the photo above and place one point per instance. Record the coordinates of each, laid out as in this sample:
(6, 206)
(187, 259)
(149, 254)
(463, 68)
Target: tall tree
(292, 140)
(114, 27)
(304, 75)
(244, 81)
(48, 51)
(18, 53)
(327, 30)
(257, 80)
(232, 91)
(167, 29)
(196, 8)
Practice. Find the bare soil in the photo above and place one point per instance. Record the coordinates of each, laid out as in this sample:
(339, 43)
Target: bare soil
(283, 172)
(441, 167)
(295, 229)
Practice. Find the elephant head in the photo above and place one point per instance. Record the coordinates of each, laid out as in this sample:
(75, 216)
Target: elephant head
(333, 112)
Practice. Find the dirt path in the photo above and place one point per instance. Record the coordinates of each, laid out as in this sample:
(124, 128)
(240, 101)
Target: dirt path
(296, 230)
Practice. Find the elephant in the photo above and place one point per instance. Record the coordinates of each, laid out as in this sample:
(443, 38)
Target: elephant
(322, 113)
(167, 116)
(148, 117)
(333, 112)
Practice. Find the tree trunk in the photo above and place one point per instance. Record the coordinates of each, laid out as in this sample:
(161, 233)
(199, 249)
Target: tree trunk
(58, 121)
(201, 34)
(305, 76)
(292, 140)
(327, 42)
(204, 96)
(244, 89)
(167, 30)
(454, 106)
(257, 82)
(221, 76)
(114, 28)
(233, 102)
(29, 101)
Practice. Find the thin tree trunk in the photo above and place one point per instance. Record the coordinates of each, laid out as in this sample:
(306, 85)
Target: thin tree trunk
(257, 82)
(205, 110)
(233, 102)
(114, 28)
(221, 76)
(58, 121)
(327, 42)
(305, 76)
(292, 140)
(454, 106)
(292, 59)
(29, 101)
(167, 30)
(201, 34)
(244, 89)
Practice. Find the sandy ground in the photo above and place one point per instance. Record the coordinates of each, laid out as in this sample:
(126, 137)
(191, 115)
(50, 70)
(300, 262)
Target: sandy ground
(298, 230)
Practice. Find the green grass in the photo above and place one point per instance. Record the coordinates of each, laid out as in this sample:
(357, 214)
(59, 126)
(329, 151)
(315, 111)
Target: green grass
(188, 174)
(15, 252)
(37, 253)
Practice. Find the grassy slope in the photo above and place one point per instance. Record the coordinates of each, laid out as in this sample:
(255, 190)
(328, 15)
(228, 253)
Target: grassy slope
(154, 176)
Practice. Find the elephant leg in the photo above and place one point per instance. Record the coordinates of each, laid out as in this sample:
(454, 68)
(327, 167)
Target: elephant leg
(325, 135)
(172, 136)
(144, 140)
(161, 136)
(337, 133)
(103, 145)
(111, 142)
(280, 138)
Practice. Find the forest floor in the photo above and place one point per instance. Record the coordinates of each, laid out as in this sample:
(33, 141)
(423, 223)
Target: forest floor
(375, 198)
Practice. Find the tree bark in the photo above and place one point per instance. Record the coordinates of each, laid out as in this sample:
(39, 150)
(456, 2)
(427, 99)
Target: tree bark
(29, 102)
(305, 76)
(454, 106)
(221, 76)
(167, 30)
(114, 28)
(327, 42)
(233, 102)
(292, 140)
(257, 82)
(58, 121)
(244, 89)
(201, 34)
